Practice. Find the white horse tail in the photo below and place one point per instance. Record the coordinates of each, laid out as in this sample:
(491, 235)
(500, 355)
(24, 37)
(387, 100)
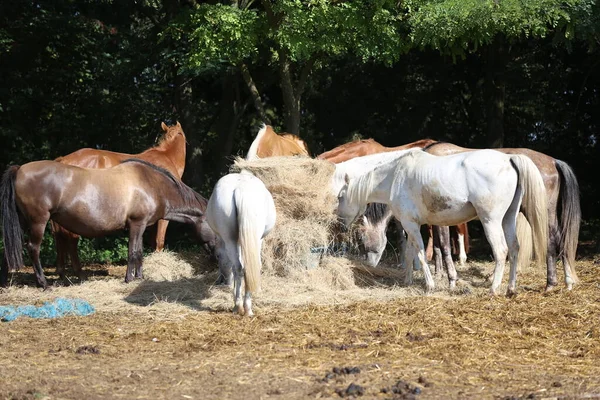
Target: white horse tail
(524, 236)
(570, 217)
(253, 151)
(248, 240)
(535, 203)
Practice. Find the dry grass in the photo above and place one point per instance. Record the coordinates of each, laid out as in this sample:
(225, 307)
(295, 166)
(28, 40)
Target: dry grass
(305, 209)
(170, 337)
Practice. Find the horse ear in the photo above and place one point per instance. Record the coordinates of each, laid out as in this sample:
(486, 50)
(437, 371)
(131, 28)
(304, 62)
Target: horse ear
(164, 126)
(178, 124)
(346, 179)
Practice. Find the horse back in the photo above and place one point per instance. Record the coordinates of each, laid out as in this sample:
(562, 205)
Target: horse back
(348, 151)
(93, 158)
(271, 145)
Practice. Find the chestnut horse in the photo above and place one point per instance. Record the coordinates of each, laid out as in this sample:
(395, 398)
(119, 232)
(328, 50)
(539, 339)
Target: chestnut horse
(91, 203)
(269, 144)
(169, 154)
(564, 210)
(377, 218)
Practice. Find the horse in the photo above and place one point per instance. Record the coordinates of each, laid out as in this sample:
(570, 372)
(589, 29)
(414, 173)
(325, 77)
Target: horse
(422, 189)
(169, 154)
(564, 210)
(376, 218)
(91, 202)
(269, 144)
(241, 211)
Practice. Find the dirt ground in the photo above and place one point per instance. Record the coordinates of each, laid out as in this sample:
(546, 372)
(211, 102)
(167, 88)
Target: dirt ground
(459, 344)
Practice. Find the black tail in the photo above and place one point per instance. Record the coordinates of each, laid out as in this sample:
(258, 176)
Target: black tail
(12, 233)
(570, 213)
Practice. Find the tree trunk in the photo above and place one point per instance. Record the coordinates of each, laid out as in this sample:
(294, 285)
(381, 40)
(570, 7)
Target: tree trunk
(228, 121)
(254, 93)
(291, 102)
(183, 104)
(494, 92)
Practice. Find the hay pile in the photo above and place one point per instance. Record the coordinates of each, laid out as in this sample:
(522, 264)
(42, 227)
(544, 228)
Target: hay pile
(305, 210)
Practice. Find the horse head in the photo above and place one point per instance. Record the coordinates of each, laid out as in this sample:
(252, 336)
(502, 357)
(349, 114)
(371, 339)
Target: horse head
(349, 207)
(207, 237)
(171, 132)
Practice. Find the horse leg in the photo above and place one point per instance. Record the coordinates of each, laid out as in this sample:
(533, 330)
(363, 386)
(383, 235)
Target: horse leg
(4, 273)
(413, 232)
(36, 235)
(74, 255)
(59, 242)
(551, 256)
(161, 231)
(430, 244)
(446, 252)
(401, 239)
(461, 231)
(135, 256)
(509, 226)
(569, 278)
(225, 264)
(495, 236)
(238, 274)
(437, 251)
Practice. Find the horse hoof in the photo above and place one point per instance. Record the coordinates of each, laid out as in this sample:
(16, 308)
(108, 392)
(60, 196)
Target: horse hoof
(510, 293)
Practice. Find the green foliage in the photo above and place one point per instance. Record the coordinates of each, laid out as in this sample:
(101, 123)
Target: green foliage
(457, 26)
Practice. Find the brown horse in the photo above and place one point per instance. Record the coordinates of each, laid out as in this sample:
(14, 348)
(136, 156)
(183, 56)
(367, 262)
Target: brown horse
(92, 203)
(377, 218)
(169, 154)
(269, 144)
(564, 210)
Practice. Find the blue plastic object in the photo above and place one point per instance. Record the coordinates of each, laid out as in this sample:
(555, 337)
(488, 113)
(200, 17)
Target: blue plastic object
(57, 308)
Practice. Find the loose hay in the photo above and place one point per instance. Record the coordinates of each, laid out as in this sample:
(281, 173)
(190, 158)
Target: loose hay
(305, 209)
(465, 345)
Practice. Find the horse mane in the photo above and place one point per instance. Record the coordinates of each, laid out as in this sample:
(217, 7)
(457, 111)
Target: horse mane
(188, 194)
(363, 185)
(375, 212)
(430, 145)
(167, 137)
(253, 151)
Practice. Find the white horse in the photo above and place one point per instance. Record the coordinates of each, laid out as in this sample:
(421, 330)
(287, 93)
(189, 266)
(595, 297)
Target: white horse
(377, 217)
(241, 212)
(447, 190)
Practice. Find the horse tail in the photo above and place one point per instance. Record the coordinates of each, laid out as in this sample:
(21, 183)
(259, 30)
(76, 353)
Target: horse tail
(12, 232)
(524, 236)
(248, 240)
(535, 203)
(570, 216)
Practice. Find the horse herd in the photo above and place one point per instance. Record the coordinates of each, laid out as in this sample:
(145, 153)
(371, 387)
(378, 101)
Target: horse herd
(96, 192)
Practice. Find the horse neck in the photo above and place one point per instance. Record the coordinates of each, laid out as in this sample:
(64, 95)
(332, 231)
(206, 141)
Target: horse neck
(253, 151)
(184, 206)
(173, 149)
(374, 186)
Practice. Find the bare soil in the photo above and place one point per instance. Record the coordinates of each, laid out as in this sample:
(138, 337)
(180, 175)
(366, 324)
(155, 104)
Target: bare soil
(459, 344)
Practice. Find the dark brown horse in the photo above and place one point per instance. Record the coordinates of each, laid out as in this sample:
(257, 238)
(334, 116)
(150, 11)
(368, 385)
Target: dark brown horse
(92, 203)
(564, 211)
(169, 154)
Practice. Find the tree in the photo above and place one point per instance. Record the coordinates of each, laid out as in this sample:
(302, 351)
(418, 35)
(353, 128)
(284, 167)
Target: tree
(290, 38)
(458, 27)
